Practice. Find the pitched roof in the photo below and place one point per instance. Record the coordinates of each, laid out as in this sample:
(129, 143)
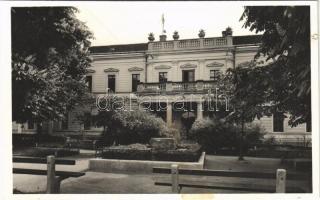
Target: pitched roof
(246, 39)
(119, 48)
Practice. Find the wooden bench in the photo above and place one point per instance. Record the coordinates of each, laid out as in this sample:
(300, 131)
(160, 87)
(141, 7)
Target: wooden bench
(54, 177)
(281, 176)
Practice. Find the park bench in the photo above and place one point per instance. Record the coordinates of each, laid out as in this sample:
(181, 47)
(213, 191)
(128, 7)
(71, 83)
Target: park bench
(280, 176)
(54, 177)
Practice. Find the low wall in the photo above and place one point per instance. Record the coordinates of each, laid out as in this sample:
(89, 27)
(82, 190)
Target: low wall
(138, 166)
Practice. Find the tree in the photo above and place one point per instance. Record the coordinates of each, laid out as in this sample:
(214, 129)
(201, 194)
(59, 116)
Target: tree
(49, 61)
(216, 134)
(286, 41)
(247, 94)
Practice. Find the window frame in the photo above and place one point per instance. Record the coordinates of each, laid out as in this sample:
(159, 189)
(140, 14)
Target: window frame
(134, 86)
(215, 76)
(162, 78)
(277, 116)
(115, 82)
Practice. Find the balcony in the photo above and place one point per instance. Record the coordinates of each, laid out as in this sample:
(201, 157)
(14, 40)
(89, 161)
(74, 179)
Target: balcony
(200, 43)
(197, 87)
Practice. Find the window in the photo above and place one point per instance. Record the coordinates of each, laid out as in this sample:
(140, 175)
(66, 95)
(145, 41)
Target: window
(30, 124)
(163, 77)
(308, 126)
(112, 83)
(89, 83)
(135, 81)
(188, 75)
(214, 74)
(278, 119)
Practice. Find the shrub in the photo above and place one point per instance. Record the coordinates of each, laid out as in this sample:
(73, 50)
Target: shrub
(216, 135)
(190, 153)
(23, 140)
(127, 152)
(254, 135)
(46, 151)
(183, 153)
(177, 155)
(174, 133)
(134, 127)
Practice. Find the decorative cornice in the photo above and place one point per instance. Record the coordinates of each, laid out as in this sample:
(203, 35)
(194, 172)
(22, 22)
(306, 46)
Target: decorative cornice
(188, 66)
(111, 70)
(91, 71)
(135, 69)
(162, 67)
(215, 64)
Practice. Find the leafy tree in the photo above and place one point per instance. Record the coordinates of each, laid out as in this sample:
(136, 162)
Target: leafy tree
(248, 96)
(128, 127)
(49, 61)
(120, 125)
(286, 42)
(136, 126)
(215, 134)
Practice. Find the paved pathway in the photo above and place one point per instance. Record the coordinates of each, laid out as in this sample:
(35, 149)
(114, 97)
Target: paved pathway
(109, 183)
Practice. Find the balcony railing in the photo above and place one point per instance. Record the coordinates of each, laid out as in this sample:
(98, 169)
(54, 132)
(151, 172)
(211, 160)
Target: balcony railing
(190, 44)
(176, 87)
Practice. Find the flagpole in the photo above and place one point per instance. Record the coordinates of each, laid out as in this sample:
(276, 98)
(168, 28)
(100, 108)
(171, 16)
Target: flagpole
(162, 19)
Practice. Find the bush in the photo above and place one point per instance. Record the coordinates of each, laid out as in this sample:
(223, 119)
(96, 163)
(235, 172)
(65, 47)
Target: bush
(216, 135)
(177, 155)
(46, 151)
(190, 153)
(254, 135)
(135, 127)
(128, 152)
(23, 140)
(174, 133)
(183, 153)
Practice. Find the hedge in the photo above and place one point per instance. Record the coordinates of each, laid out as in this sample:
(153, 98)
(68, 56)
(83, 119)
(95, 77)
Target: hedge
(187, 154)
(44, 151)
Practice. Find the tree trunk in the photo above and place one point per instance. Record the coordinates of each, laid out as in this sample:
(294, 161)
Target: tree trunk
(38, 134)
(241, 142)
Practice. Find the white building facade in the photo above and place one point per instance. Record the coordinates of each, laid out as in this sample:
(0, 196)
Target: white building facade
(169, 71)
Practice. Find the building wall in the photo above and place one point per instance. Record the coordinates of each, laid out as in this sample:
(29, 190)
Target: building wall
(124, 64)
(123, 72)
(173, 63)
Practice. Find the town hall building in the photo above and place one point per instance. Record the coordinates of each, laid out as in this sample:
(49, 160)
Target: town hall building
(167, 71)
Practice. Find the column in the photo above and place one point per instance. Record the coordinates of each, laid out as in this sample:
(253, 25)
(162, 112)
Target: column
(175, 44)
(201, 73)
(168, 86)
(169, 114)
(199, 110)
(201, 43)
(229, 40)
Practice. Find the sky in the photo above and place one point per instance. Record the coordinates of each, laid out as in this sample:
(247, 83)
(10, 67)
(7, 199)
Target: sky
(131, 22)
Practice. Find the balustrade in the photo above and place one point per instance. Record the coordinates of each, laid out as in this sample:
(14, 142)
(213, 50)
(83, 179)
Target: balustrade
(188, 44)
(188, 87)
